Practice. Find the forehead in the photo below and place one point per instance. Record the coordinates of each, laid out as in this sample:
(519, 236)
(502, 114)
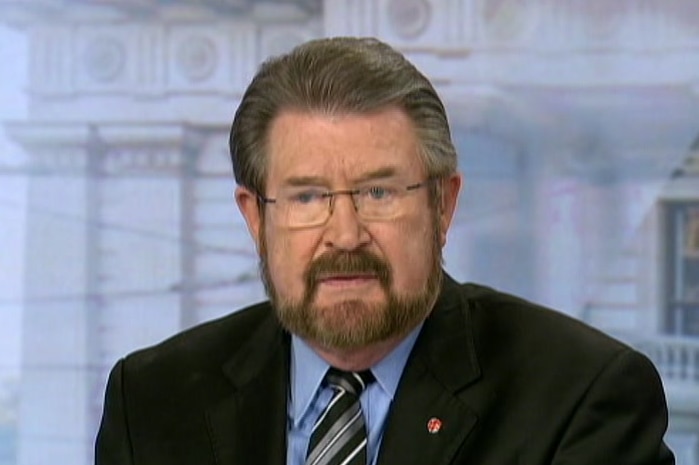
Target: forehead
(342, 147)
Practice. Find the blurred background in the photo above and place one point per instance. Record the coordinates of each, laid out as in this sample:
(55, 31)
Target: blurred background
(576, 122)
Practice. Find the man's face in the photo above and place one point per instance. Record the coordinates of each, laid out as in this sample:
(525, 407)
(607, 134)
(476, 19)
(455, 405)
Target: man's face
(349, 282)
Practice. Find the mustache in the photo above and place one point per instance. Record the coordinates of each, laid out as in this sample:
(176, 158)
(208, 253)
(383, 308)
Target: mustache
(357, 262)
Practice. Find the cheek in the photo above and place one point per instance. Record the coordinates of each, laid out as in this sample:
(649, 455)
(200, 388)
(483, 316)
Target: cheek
(288, 256)
(409, 251)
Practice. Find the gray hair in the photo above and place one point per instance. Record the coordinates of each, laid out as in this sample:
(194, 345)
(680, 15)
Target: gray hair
(337, 75)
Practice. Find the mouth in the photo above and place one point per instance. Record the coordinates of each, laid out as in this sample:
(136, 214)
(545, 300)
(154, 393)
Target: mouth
(347, 279)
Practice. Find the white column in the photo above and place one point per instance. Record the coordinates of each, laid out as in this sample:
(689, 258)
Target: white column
(56, 354)
(222, 263)
(559, 256)
(139, 241)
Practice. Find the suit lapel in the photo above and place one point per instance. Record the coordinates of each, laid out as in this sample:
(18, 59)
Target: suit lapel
(250, 425)
(442, 363)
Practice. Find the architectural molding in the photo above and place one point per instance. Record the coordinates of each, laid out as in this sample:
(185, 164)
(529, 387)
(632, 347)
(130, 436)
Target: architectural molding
(26, 12)
(409, 18)
(142, 161)
(107, 57)
(480, 25)
(53, 148)
(574, 43)
(150, 149)
(108, 149)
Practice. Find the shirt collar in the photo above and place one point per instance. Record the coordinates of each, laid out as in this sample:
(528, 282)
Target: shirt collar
(308, 370)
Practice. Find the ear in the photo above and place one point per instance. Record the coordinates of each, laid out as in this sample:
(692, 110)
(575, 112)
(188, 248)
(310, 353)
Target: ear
(247, 203)
(450, 193)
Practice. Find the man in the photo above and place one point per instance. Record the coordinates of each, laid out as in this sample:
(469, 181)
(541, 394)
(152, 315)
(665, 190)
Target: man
(367, 352)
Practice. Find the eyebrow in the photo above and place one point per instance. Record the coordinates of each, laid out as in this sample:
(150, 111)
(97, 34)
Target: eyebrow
(306, 181)
(381, 173)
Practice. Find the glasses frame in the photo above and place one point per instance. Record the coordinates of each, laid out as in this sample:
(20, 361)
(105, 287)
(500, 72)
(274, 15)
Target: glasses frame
(330, 195)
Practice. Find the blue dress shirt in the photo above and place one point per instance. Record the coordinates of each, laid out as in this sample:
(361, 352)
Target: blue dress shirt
(307, 398)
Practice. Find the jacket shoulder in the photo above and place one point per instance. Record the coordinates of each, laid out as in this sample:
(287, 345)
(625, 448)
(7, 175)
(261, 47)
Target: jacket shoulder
(207, 344)
(502, 319)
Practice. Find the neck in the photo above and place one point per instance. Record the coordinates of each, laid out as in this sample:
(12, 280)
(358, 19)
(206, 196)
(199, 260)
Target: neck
(356, 359)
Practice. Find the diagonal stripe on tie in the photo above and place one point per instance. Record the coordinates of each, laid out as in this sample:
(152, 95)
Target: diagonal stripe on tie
(339, 435)
(332, 449)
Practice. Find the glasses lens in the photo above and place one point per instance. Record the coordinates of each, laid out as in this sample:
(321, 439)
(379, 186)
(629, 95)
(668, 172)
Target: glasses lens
(381, 201)
(304, 206)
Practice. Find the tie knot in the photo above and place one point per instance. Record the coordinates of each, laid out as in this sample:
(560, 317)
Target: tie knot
(352, 382)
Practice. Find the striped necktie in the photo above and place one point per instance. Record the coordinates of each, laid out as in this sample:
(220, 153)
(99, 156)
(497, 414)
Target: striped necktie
(339, 435)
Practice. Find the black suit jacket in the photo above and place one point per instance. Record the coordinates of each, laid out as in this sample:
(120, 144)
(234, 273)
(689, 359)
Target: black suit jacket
(511, 382)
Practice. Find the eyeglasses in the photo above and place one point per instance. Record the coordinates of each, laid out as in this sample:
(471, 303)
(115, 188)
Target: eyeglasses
(304, 207)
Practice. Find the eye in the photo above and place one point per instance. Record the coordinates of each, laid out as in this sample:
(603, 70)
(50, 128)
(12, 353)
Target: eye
(307, 196)
(379, 192)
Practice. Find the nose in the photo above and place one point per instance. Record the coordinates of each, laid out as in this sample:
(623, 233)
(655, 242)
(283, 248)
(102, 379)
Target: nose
(344, 229)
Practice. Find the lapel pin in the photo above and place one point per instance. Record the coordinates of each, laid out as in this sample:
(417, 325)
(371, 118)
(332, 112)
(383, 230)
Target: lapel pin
(434, 424)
